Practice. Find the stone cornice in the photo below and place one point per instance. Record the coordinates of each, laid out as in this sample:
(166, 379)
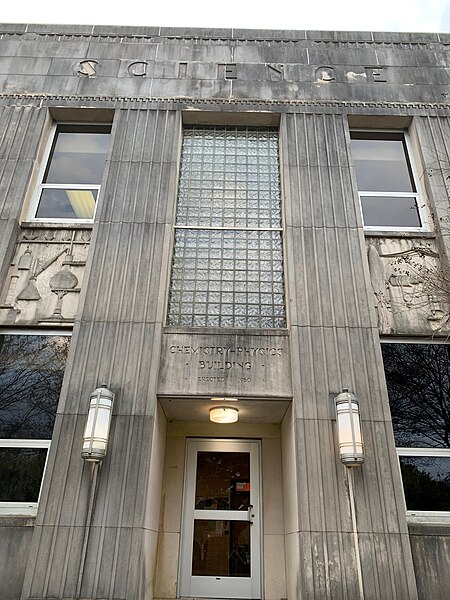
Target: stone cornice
(52, 100)
(100, 33)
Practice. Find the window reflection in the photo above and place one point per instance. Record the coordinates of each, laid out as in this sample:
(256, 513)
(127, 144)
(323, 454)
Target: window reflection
(385, 211)
(21, 471)
(221, 548)
(382, 164)
(388, 193)
(78, 156)
(74, 172)
(223, 481)
(31, 373)
(426, 481)
(418, 381)
(56, 203)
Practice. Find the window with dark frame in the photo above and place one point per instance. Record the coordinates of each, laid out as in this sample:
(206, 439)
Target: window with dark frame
(418, 382)
(31, 374)
(386, 184)
(227, 268)
(73, 173)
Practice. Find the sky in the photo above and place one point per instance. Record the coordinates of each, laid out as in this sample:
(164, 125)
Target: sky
(347, 15)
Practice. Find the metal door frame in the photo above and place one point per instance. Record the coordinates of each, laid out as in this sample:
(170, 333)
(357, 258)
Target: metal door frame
(191, 586)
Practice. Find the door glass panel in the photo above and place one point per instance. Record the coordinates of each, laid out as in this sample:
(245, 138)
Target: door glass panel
(221, 548)
(223, 481)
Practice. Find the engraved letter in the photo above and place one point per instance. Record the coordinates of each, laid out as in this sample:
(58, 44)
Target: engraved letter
(86, 68)
(182, 70)
(276, 71)
(325, 74)
(229, 71)
(138, 68)
(376, 74)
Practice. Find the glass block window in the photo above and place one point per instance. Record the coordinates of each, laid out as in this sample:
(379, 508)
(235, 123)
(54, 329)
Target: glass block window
(228, 259)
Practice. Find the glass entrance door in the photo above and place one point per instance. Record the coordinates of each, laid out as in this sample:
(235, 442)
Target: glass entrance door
(221, 538)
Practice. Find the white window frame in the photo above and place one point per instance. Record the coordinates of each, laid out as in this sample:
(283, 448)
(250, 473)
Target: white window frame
(27, 508)
(418, 195)
(24, 508)
(64, 186)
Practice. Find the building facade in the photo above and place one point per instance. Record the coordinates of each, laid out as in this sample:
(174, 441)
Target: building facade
(224, 222)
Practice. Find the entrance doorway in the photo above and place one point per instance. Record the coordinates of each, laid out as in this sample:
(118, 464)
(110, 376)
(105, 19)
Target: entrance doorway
(221, 531)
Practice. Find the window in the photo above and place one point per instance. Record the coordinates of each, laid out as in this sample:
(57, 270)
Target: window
(227, 266)
(31, 373)
(418, 381)
(73, 173)
(386, 184)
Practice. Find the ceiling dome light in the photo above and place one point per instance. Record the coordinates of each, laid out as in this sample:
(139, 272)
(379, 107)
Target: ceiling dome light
(223, 414)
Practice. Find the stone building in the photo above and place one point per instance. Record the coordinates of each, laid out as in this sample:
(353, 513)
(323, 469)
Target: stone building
(246, 221)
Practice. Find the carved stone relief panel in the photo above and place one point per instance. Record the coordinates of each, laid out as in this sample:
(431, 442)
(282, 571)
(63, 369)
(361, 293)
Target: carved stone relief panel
(45, 277)
(410, 286)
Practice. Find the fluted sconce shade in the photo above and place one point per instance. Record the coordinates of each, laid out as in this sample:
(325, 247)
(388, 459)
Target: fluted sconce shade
(95, 439)
(351, 447)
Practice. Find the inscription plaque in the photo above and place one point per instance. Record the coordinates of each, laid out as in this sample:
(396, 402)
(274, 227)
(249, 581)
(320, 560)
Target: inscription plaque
(225, 364)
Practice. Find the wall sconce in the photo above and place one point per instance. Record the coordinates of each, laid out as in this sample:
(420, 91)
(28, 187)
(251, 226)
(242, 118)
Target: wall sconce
(349, 429)
(223, 414)
(95, 439)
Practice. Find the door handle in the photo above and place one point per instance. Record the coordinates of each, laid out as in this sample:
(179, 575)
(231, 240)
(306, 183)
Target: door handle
(250, 514)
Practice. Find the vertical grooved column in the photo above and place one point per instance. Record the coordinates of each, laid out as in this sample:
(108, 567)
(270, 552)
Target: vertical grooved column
(20, 134)
(335, 344)
(117, 340)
